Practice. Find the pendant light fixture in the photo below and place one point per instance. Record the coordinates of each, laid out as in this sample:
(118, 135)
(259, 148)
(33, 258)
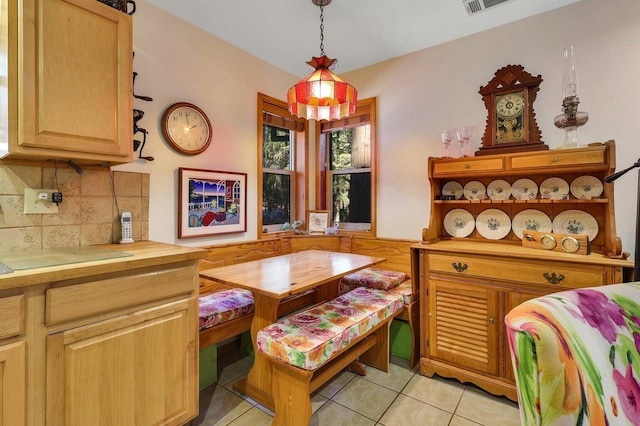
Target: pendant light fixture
(322, 95)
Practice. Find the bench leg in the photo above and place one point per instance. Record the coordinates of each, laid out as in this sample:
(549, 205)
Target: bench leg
(378, 355)
(413, 312)
(291, 395)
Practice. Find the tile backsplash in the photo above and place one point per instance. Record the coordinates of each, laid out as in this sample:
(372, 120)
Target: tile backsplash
(88, 214)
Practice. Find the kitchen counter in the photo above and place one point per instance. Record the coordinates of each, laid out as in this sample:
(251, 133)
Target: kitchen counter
(143, 254)
(119, 320)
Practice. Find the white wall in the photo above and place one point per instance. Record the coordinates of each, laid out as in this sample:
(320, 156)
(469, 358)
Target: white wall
(418, 95)
(422, 93)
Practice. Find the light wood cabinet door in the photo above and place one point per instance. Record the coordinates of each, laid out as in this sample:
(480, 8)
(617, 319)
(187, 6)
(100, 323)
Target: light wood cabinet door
(73, 87)
(13, 383)
(463, 325)
(137, 369)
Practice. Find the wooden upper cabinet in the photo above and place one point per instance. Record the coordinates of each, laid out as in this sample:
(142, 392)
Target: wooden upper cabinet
(70, 96)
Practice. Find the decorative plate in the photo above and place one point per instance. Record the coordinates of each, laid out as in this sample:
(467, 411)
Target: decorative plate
(474, 190)
(499, 190)
(524, 189)
(452, 188)
(586, 187)
(493, 224)
(531, 220)
(459, 223)
(554, 188)
(576, 222)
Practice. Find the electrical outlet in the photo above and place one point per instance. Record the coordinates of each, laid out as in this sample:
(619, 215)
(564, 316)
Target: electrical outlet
(38, 201)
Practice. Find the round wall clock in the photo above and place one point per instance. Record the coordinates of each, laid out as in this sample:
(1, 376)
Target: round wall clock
(511, 122)
(186, 128)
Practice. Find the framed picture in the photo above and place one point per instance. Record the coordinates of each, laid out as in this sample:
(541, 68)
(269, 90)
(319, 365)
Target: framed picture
(317, 220)
(211, 202)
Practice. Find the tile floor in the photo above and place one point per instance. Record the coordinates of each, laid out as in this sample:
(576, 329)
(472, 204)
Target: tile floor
(400, 397)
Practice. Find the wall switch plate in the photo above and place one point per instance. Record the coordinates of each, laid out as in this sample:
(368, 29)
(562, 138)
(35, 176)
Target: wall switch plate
(38, 201)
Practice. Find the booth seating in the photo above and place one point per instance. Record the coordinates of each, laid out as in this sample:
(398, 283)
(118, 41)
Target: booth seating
(309, 348)
(393, 282)
(576, 356)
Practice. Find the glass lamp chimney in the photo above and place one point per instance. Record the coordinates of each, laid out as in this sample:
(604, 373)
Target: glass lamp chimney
(569, 78)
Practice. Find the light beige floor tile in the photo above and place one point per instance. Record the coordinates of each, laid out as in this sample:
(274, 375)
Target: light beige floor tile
(409, 411)
(461, 421)
(441, 393)
(220, 407)
(366, 398)
(333, 386)
(332, 414)
(480, 407)
(253, 417)
(396, 379)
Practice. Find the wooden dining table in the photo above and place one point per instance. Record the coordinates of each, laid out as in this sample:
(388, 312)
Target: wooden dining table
(273, 279)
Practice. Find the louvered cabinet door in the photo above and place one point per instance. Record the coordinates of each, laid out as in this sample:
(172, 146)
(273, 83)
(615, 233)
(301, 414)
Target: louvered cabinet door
(463, 325)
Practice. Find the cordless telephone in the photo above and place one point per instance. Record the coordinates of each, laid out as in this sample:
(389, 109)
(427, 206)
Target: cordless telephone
(127, 233)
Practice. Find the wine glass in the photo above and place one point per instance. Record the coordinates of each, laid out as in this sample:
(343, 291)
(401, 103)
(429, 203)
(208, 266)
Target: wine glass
(447, 137)
(464, 135)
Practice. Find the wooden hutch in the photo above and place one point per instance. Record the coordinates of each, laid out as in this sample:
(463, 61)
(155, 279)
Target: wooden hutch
(469, 283)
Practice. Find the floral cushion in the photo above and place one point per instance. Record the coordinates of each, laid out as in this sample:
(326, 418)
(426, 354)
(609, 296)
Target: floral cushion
(308, 339)
(576, 355)
(375, 278)
(405, 290)
(216, 308)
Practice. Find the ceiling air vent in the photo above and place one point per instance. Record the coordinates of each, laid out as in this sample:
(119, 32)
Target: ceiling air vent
(477, 6)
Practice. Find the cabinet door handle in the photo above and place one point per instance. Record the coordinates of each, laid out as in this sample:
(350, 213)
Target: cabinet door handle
(491, 321)
(553, 278)
(460, 267)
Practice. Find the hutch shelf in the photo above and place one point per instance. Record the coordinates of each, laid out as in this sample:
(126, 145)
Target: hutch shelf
(469, 283)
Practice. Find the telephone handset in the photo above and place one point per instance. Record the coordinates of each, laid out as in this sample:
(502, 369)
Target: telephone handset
(127, 232)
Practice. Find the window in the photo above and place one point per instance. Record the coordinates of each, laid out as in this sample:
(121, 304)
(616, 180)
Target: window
(282, 161)
(347, 169)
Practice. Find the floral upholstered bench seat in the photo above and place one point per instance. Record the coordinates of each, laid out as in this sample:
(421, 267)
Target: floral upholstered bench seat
(374, 278)
(216, 308)
(309, 348)
(308, 339)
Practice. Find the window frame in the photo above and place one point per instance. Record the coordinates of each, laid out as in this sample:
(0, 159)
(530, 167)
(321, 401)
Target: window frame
(365, 113)
(274, 112)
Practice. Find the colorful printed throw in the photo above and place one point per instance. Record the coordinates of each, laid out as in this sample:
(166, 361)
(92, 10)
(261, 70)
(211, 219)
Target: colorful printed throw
(308, 339)
(375, 278)
(405, 290)
(216, 308)
(576, 356)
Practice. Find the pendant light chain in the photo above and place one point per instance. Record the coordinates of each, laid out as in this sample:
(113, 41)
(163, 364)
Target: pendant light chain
(322, 29)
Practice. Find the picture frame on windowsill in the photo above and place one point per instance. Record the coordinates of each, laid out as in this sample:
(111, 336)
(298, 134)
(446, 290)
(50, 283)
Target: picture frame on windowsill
(318, 220)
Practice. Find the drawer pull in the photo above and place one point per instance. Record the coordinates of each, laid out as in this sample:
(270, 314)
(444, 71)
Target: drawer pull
(467, 166)
(460, 267)
(553, 278)
(554, 159)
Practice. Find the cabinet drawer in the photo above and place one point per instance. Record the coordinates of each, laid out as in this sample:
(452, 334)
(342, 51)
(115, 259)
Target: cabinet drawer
(559, 159)
(551, 274)
(98, 297)
(471, 165)
(12, 311)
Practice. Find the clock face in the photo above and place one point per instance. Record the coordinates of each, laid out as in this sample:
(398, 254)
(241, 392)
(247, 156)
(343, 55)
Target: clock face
(186, 128)
(509, 111)
(510, 105)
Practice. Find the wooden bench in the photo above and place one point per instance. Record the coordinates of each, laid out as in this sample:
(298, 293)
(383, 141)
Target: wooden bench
(309, 348)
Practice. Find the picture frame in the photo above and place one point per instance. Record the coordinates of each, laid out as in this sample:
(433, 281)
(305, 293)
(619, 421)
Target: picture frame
(318, 220)
(211, 202)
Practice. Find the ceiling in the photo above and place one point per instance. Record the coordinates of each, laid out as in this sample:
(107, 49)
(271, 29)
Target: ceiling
(286, 33)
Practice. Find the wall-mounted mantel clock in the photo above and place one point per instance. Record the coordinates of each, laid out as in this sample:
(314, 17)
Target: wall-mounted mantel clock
(511, 121)
(186, 128)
